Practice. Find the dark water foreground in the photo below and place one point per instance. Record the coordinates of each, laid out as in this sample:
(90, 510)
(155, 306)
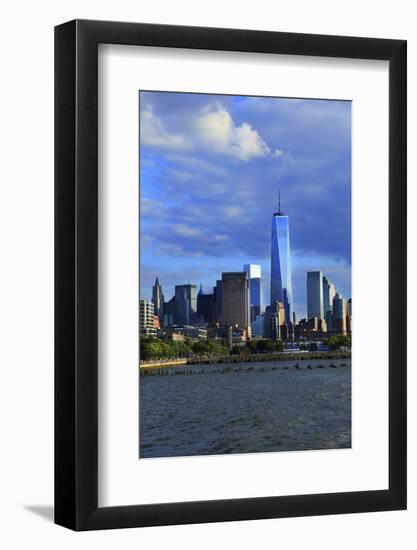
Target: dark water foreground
(241, 408)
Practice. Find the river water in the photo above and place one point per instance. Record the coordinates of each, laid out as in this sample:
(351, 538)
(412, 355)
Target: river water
(245, 408)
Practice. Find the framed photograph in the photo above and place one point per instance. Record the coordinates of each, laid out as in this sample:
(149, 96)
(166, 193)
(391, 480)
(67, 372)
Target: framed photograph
(223, 197)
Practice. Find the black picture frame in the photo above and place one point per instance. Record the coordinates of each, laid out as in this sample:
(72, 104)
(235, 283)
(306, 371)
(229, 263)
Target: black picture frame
(76, 272)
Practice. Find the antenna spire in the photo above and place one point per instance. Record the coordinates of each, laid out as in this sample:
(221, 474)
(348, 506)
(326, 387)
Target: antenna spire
(279, 195)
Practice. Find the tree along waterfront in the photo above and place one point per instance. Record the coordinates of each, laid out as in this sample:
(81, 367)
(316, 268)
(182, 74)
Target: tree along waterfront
(152, 349)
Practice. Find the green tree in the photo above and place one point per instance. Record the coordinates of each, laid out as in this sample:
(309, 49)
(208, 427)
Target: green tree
(337, 341)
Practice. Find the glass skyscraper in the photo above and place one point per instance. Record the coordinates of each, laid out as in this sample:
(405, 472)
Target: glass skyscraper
(329, 292)
(281, 285)
(255, 289)
(185, 304)
(315, 295)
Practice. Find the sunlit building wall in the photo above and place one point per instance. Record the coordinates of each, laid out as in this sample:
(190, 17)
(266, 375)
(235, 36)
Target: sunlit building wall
(255, 289)
(329, 292)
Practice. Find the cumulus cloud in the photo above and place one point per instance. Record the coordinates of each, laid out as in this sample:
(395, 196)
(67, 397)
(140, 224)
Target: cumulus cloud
(217, 130)
(210, 129)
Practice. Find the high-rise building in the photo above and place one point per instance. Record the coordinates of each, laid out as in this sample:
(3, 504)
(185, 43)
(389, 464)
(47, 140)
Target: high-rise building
(257, 326)
(329, 320)
(315, 295)
(274, 320)
(158, 300)
(349, 323)
(339, 315)
(217, 290)
(235, 299)
(349, 307)
(329, 292)
(169, 312)
(255, 289)
(206, 307)
(185, 304)
(281, 285)
(146, 318)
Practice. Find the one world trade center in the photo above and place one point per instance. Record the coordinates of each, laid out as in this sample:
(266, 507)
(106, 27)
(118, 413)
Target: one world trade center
(281, 286)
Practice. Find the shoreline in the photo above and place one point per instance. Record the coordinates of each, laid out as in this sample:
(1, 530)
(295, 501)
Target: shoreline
(249, 358)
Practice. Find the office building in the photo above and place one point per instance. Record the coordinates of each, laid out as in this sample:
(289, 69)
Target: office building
(206, 307)
(158, 300)
(185, 304)
(169, 312)
(349, 324)
(217, 291)
(329, 321)
(281, 284)
(329, 292)
(257, 327)
(146, 318)
(255, 289)
(349, 316)
(339, 315)
(315, 294)
(235, 299)
(274, 321)
(349, 307)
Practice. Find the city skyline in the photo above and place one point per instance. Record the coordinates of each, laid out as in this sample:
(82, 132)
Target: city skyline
(209, 167)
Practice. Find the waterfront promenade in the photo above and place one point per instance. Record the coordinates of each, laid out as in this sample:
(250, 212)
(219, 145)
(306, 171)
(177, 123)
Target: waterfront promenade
(244, 358)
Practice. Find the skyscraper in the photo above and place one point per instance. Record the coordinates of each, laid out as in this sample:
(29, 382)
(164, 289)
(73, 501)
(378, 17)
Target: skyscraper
(329, 292)
(235, 299)
(281, 285)
(217, 290)
(185, 304)
(255, 289)
(274, 319)
(339, 314)
(158, 300)
(206, 307)
(315, 295)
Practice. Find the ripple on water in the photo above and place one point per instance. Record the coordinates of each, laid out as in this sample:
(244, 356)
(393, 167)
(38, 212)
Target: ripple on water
(258, 408)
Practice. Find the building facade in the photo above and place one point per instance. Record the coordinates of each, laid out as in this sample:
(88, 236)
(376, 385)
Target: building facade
(339, 315)
(281, 282)
(158, 300)
(146, 318)
(257, 327)
(206, 307)
(329, 320)
(315, 295)
(217, 291)
(329, 292)
(235, 300)
(185, 304)
(274, 322)
(255, 289)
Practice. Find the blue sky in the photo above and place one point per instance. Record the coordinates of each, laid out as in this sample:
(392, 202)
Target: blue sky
(209, 166)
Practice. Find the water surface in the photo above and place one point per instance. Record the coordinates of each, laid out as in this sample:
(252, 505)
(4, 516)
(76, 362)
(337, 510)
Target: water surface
(245, 408)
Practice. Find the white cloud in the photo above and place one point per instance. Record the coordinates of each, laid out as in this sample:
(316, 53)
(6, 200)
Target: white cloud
(232, 211)
(185, 230)
(153, 132)
(212, 129)
(221, 237)
(217, 130)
